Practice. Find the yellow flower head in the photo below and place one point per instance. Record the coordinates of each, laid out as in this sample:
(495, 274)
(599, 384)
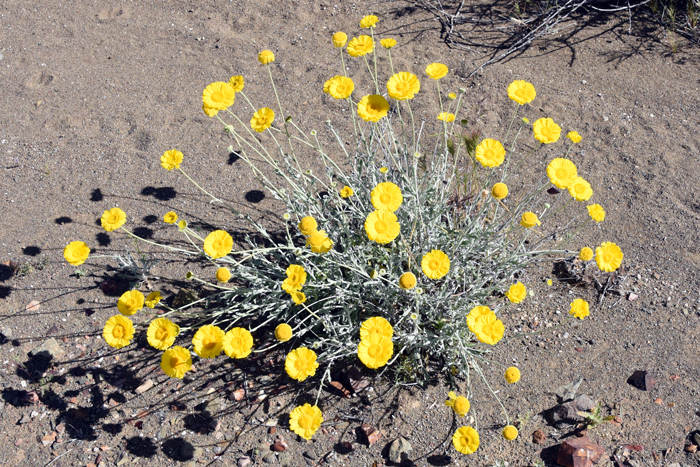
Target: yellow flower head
(208, 111)
(475, 313)
(436, 70)
(161, 333)
(262, 119)
(388, 43)
(339, 39)
(238, 343)
(375, 351)
(407, 281)
(266, 56)
(237, 83)
(319, 242)
(171, 159)
(369, 21)
(372, 108)
(435, 264)
(176, 361)
(296, 277)
(301, 363)
(223, 275)
(170, 218)
(579, 308)
(529, 220)
(340, 87)
(118, 331)
(596, 212)
(608, 256)
(489, 329)
(384, 170)
(512, 375)
(546, 131)
(360, 46)
(510, 432)
(182, 225)
(218, 244)
(403, 86)
(208, 341)
(586, 254)
(460, 404)
(76, 253)
(521, 92)
(499, 191)
(466, 440)
(574, 137)
(386, 196)
(526, 120)
(517, 292)
(298, 297)
(580, 189)
(376, 326)
(112, 219)
(153, 299)
(446, 117)
(130, 302)
(305, 420)
(562, 172)
(308, 225)
(327, 86)
(218, 96)
(346, 192)
(283, 332)
(452, 96)
(490, 153)
(382, 226)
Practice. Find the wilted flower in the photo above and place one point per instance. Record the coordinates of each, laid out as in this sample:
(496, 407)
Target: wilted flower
(153, 299)
(460, 404)
(446, 117)
(346, 192)
(237, 83)
(512, 375)
(452, 96)
(574, 137)
(298, 297)
(170, 218)
(529, 220)
(319, 242)
(339, 39)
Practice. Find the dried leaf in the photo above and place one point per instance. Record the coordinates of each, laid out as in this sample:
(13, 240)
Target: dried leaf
(33, 306)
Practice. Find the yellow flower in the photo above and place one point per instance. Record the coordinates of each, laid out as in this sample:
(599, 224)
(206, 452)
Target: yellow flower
(262, 119)
(382, 226)
(466, 440)
(208, 111)
(346, 192)
(360, 46)
(170, 218)
(176, 362)
(517, 292)
(375, 351)
(308, 225)
(118, 331)
(130, 302)
(490, 153)
(388, 43)
(510, 432)
(452, 96)
(266, 56)
(436, 70)
(596, 212)
(579, 308)
(499, 191)
(512, 375)
(574, 137)
(298, 297)
(608, 256)
(238, 343)
(340, 87)
(546, 131)
(446, 117)
(386, 196)
(369, 21)
(171, 159)
(562, 172)
(526, 120)
(372, 108)
(460, 404)
(376, 326)
(586, 254)
(296, 277)
(283, 332)
(580, 189)
(237, 83)
(223, 275)
(476, 313)
(529, 220)
(208, 341)
(489, 329)
(112, 219)
(319, 242)
(182, 225)
(521, 92)
(301, 363)
(153, 299)
(403, 86)
(218, 244)
(76, 253)
(435, 264)
(305, 420)
(327, 86)
(384, 170)
(407, 281)
(161, 333)
(339, 39)
(218, 96)
(549, 281)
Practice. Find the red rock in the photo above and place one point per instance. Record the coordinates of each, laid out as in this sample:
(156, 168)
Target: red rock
(579, 452)
(340, 389)
(538, 437)
(238, 394)
(279, 446)
(19, 441)
(691, 448)
(48, 439)
(272, 430)
(370, 433)
(635, 447)
(658, 401)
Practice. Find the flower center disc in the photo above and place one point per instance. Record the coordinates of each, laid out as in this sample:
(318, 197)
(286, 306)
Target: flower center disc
(580, 188)
(488, 329)
(546, 132)
(488, 153)
(305, 421)
(380, 226)
(374, 351)
(217, 245)
(403, 87)
(460, 405)
(113, 218)
(562, 173)
(209, 342)
(301, 364)
(131, 303)
(118, 332)
(434, 265)
(520, 93)
(217, 96)
(385, 198)
(237, 343)
(175, 361)
(161, 334)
